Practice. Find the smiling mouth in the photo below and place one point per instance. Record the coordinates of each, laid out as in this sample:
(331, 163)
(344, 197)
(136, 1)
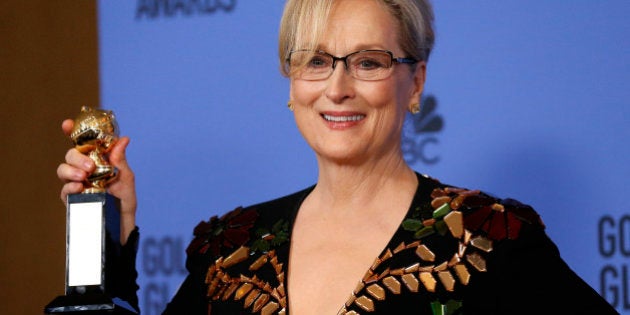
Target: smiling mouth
(342, 118)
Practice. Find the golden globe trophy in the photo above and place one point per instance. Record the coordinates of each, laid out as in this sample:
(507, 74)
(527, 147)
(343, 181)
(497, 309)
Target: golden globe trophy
(92, 224)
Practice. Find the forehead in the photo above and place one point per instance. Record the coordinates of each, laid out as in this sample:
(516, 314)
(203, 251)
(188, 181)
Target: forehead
(359, 24)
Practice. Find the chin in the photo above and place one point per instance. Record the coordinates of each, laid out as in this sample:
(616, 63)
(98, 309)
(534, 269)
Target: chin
(343, 156)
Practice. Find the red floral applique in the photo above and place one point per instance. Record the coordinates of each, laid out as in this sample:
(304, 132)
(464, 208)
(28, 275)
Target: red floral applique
(498, 219)
(230, 231)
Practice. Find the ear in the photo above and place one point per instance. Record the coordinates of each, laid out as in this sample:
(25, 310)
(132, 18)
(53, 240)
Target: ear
(419, 77)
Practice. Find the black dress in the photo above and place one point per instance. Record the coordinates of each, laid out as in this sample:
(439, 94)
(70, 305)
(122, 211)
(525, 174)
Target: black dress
(457, 251)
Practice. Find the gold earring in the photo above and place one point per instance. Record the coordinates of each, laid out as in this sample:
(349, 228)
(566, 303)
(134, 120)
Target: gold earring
(414, 108)
(290, 105)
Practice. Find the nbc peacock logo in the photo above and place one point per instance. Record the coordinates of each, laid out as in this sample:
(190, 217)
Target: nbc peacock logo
(420, 133)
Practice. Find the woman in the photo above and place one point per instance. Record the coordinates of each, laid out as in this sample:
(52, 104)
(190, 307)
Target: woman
(372, 236)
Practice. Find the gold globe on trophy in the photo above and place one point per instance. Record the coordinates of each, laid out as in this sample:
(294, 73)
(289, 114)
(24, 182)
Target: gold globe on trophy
(94, 133)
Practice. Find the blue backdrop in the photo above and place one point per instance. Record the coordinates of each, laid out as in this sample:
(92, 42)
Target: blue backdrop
(524, 99)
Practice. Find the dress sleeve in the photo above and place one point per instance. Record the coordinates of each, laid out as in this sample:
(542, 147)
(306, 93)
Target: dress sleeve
(528, 276)
(190, 297)
(121, 274)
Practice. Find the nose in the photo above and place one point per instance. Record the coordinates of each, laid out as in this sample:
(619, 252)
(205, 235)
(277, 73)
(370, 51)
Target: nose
(340, 85)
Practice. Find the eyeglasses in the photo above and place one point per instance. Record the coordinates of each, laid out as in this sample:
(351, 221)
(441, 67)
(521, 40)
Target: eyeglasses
(368, 65)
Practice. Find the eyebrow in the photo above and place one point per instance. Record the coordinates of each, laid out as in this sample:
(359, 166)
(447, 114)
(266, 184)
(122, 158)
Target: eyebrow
(355, 49)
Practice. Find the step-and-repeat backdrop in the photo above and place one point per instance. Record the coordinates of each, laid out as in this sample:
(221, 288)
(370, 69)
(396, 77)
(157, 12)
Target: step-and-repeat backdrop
(524, 99)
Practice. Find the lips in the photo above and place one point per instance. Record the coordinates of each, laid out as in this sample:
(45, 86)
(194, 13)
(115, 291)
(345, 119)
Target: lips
(343, 118)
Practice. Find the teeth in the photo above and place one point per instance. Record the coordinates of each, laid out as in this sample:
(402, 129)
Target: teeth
(343, 118)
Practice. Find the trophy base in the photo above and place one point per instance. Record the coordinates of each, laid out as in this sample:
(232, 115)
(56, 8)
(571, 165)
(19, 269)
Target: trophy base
(93, 304)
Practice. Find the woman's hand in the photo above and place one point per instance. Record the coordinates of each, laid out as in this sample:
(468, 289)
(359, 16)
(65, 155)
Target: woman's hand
(78, 166)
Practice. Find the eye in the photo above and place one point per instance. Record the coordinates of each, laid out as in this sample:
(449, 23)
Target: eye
(369, 62)
(319, 61)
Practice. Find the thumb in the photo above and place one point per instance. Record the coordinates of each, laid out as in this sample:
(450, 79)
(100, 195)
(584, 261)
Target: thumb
(117, 156)
(66, 126)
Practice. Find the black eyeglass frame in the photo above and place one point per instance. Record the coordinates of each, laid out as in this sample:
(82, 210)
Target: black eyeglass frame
(400, 60)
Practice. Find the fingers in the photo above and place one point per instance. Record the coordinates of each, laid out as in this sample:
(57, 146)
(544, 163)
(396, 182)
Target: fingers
(80, 161)
(66, 126)
(70, 188)
(76, 168)
(68, 173)
(74, 172)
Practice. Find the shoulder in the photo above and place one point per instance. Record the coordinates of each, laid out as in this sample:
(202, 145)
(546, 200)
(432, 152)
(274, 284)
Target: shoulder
(470, 216)
(483, 213)
(236, 227)
(473, 210)
(464, 233)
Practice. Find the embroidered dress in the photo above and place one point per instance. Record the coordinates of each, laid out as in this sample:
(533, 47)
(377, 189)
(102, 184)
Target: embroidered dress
(457, 251)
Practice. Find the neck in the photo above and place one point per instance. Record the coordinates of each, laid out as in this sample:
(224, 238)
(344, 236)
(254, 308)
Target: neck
(347, 187)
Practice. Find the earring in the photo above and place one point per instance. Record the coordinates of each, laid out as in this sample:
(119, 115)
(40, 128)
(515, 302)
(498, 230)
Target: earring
(414, 108)
(290, 105)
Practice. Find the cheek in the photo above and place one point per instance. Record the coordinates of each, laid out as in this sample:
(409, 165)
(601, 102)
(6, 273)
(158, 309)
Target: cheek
(391, 101)
(303, 92)
(385, 98)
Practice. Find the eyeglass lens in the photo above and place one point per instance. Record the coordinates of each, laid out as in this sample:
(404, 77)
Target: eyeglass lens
(362, 65)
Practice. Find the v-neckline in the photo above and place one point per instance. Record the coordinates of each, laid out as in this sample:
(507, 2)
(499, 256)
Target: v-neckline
(422, 185)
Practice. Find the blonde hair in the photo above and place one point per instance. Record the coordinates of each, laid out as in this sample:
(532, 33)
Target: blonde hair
(303, 23)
